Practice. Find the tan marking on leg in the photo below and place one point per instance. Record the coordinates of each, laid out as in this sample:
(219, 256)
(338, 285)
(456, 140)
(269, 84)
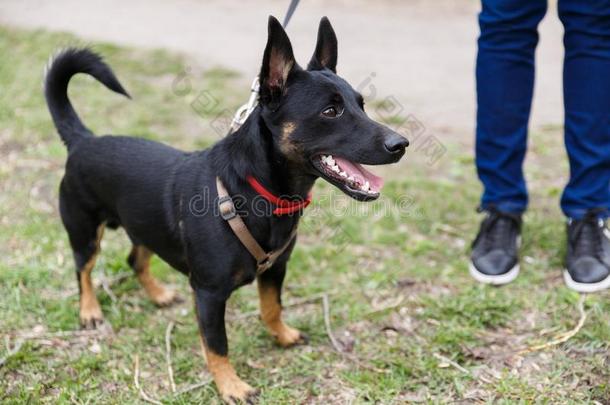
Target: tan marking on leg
(157, 292)
(90, 311)
(271, 313)
(230, 386)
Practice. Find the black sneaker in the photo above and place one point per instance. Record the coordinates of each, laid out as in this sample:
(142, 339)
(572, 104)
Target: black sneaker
(588, 256)
(495, 251)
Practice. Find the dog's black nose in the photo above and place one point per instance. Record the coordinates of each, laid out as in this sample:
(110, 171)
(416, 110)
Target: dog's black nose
(395, 143)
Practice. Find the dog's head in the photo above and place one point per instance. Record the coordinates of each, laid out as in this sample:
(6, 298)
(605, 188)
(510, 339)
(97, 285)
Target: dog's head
(317, 119)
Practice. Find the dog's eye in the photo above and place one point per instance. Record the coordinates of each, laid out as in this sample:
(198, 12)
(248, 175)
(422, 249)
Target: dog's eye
(332, 112)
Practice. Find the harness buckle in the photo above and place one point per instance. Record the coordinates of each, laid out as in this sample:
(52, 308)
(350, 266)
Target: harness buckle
(229, 212)
(264, 264)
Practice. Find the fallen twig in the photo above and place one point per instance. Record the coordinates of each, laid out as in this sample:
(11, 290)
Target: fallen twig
(109, 283)
(329, 332)
(294, 303)
(399, 302)
(450, 230)
(11, 352)
(136, 380)
(168, 355)
(562, 337)
(60, 334)
(106, 287)
(326, 309)
(353, 358)
(451, 362)
(192, 387)
(337, 345)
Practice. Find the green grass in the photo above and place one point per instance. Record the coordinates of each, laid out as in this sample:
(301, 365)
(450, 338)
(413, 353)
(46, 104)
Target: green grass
(395, 270)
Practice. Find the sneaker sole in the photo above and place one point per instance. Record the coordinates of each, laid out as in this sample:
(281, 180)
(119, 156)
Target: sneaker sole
(585, 287)
(494, 280)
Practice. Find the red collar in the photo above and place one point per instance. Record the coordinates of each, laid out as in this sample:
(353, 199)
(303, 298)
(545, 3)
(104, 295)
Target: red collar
(283, 206)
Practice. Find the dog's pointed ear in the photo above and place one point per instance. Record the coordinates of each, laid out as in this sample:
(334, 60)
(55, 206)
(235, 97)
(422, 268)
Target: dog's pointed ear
(325, 55)
(278, 62)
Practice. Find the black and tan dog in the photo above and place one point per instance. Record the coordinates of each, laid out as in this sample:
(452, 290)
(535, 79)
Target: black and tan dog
(309, 123)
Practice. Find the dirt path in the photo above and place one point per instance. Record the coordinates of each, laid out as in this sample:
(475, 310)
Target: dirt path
(422, 54)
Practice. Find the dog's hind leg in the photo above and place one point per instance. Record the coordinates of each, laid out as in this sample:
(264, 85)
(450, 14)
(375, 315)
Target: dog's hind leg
(139, 260)
(85, 235)
(269, 292)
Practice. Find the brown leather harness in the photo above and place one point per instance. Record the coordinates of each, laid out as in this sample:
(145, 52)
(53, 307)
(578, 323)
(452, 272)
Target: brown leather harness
(264, 260)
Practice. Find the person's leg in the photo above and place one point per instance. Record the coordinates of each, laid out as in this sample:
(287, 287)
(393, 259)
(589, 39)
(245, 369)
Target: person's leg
(586, 198)
(586, 78)
(505, 82)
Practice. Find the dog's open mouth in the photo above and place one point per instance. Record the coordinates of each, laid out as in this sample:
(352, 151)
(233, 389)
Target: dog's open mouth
(353, 179)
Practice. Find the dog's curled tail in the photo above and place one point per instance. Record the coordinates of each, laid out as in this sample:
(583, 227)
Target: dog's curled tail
(65, 64)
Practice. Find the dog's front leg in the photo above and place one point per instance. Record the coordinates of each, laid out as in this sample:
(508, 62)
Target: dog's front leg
(269, 292)
(210, 308)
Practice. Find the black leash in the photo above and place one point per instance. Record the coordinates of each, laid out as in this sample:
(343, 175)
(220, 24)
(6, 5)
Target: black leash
(293, 6)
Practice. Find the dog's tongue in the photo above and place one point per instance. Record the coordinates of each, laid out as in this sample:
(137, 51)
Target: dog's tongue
(360, 174)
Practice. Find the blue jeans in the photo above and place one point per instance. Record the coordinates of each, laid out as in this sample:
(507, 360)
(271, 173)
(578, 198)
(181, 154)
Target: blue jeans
(505, 82)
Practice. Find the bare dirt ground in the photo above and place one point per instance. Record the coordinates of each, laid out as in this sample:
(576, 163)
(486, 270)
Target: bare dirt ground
(420, 52)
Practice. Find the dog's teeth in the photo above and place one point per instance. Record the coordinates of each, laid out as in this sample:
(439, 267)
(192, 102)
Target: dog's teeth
(335, 169)
(330, 160)
(367, 186)
(351, 178)
(343, 174)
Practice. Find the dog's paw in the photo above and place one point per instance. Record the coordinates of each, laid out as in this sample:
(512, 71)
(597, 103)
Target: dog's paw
(235, 391)
(288, 336)
(91, 317)
(165, 298)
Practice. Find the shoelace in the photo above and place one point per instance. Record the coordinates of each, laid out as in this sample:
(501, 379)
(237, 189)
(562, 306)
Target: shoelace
(498, 229)
(586, 236)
